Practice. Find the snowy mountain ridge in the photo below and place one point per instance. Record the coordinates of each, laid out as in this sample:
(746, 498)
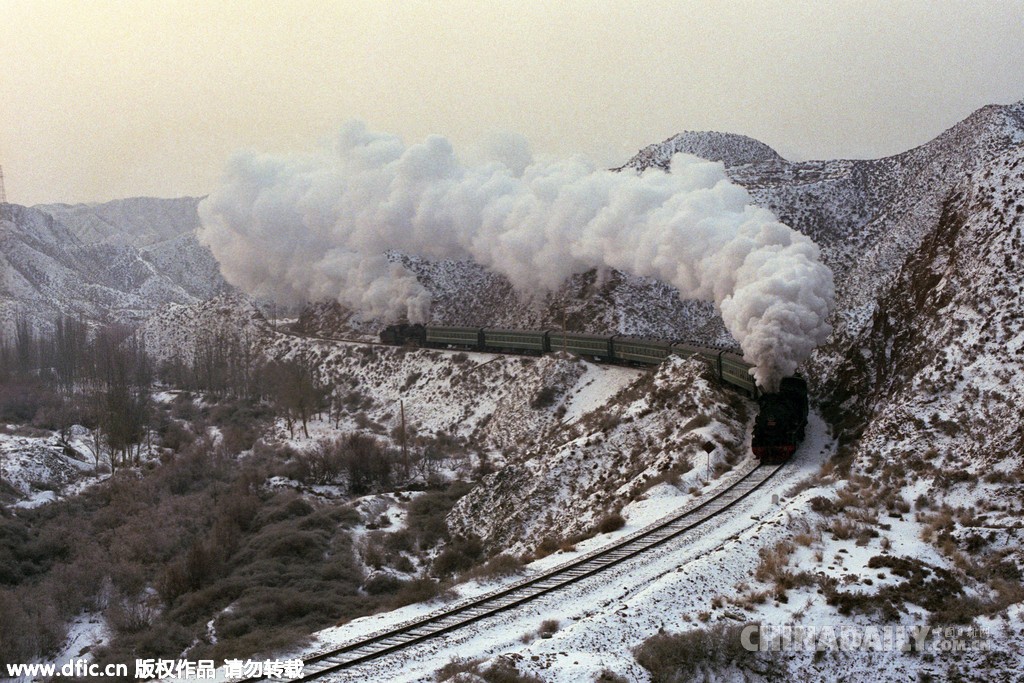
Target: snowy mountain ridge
(866, 215)
(112, 262)
(139, 221)
(729, 148)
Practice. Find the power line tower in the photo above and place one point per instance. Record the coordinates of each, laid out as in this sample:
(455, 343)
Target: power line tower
(3, 192)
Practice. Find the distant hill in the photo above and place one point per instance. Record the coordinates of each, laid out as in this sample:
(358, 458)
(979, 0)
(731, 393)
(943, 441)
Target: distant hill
(117, 261)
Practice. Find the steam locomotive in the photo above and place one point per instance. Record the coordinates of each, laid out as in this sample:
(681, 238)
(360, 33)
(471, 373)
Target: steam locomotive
(782, 418)
(781, 421)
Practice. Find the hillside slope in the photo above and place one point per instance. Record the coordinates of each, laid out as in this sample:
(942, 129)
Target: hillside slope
(940, 366)
(139, 221)
(114, 262)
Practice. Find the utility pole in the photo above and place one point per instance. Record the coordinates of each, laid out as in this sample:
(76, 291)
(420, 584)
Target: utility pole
(3, 192)
(564, 341)
(405, 452)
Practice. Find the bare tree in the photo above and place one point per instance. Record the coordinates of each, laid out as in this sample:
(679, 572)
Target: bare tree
(293, 387)
(369, 466)
(25, 346)
(69, 351)
(121, 394)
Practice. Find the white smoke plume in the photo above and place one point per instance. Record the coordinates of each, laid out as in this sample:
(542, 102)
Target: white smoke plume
(313, 226)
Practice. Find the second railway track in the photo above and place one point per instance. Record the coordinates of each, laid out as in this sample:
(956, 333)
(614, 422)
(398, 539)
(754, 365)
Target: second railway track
(509, 597)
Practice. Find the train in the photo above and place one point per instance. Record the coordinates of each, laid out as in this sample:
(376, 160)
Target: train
(781, 421)
(782, 416)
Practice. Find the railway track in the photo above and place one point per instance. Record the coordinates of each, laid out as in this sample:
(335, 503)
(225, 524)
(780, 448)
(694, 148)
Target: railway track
(316, 337)
(509, 597)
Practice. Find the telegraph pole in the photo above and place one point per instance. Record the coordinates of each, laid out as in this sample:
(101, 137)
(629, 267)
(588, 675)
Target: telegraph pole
(405, 452)
(564, 332)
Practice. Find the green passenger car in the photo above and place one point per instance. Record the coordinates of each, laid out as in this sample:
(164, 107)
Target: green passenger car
(636, 350)
(516, 340)
(736, 371)
(589, 345)
(471, 337)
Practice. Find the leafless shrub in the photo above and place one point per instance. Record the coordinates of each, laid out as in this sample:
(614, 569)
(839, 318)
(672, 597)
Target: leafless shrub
(188, 572)
(456, 667)
(322, 464)
(848, 498)
(865, 535)
(822, 505)
(29, 628)
(501, 671)
(747, 601)
(683, 656)
(937, 524)
(612, 521)
(411, 380)
(805, 538)
(773, 562)
(130, 616)
(460, 555)
(801, 486)
(696, 422)
(499, 566)
(427, 512)
(899, 505)
(997, 476)
(863, 515)
(418, 590)
(544, 398)
(548, 628)
(548, 545)
(383, 584)
(843, 528)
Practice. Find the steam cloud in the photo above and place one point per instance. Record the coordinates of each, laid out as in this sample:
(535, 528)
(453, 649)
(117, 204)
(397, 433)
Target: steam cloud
(315, 226)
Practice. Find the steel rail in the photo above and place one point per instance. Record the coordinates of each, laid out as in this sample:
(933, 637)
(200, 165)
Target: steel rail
(509, 597)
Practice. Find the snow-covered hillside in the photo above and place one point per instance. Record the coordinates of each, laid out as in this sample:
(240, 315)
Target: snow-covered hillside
(731, 149)
(570, 440)
(607, 453)
(114, 262)
(139, 221)
(944, 352)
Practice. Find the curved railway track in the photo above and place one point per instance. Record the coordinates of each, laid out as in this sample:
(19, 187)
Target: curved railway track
(509, 597)
(316, 337)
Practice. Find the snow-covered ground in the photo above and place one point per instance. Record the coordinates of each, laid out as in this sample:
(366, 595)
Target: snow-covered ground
(696, 580)
(39, 471)
(602, 618)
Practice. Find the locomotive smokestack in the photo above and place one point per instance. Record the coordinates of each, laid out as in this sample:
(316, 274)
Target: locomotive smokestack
(318, 225)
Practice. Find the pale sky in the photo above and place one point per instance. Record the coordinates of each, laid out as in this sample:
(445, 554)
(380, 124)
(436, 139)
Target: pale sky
(101, 100)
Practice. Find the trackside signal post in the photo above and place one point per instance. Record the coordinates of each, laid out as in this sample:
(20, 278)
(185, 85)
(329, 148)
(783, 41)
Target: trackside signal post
(709, 448)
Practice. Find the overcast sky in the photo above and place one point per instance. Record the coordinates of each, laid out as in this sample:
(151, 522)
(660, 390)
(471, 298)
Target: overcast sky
(102, 100)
